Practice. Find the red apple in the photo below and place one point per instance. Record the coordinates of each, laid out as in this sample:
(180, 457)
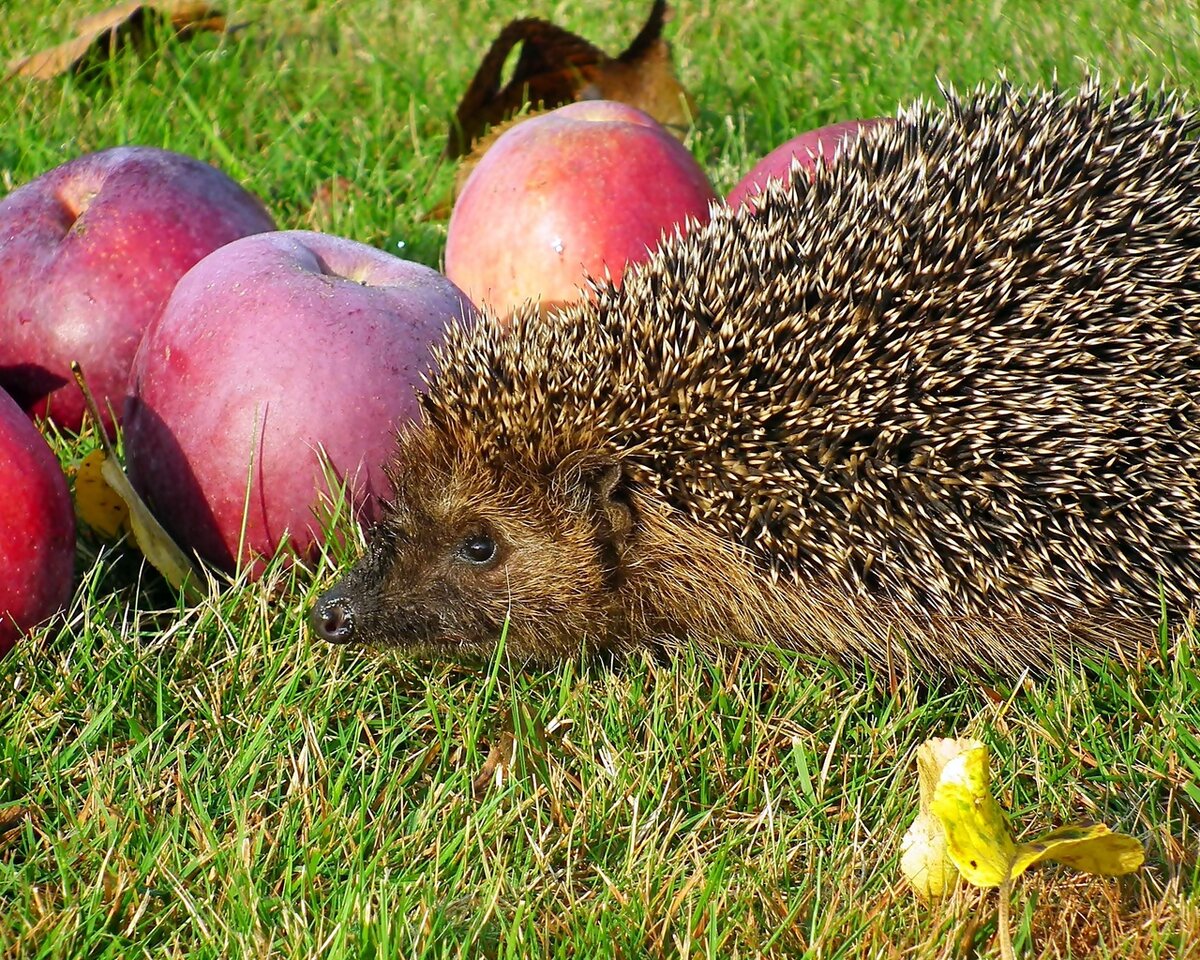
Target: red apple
(587, 187)
(89, 253)
(269, 349)
(806, 149)
(37, 527)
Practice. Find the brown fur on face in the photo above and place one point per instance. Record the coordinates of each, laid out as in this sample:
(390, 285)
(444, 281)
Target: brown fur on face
(553, 579)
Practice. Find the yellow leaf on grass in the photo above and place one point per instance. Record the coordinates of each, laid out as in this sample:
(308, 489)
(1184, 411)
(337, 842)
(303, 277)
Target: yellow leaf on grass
(924, 857)
(151, 538)
(977, 831)
(96, 503)
(154, 542)
(1092, 848)
(980, 843)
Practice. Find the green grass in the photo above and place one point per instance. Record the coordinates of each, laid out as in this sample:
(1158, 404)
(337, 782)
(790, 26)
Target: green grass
(208, 782)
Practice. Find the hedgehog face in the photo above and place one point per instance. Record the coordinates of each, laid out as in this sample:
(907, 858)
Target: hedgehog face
(460, 559)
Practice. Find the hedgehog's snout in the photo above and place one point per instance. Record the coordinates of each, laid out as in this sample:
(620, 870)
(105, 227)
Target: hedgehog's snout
(333, 616)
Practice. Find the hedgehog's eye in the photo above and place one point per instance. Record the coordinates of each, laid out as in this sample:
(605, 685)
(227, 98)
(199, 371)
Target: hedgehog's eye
(478, 548)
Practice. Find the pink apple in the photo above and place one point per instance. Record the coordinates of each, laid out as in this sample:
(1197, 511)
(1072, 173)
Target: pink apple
(587, 187)
(37, 527)
(270, 349)
(806, 149)
(89, 253)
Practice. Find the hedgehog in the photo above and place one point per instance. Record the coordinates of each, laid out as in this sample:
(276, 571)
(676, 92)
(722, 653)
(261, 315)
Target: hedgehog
(932, 407)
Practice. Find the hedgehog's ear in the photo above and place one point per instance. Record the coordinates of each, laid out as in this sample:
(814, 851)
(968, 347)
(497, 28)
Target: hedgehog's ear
(611, 497)
(598, 484)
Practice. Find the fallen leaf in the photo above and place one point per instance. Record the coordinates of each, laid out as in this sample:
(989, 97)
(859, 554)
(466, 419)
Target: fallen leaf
(980, 843)
(1092, 848)
(102, 34)
(497, 764)
(924, 858)
(155, 543)
(96, 503)
(962, 829)
(163, 553)
(977, 833)
(556, 66)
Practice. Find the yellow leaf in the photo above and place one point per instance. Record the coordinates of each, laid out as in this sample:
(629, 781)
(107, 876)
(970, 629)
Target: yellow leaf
(1092, 848)
(924, 860)
(977, 833)
(154, 542)
(980, 844)
(932, 757)
(96, 503)
(149, 535)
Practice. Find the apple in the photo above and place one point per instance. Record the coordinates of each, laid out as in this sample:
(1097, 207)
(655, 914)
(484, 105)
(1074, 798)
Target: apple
(89, 253)
(37, 527)
(807, 149)
(570, 193)
(271, 349)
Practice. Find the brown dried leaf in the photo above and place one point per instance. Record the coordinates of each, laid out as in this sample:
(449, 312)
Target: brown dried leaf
(12, 823)
(648, 83)
(102, 34)
(499, 761)
(555, 67)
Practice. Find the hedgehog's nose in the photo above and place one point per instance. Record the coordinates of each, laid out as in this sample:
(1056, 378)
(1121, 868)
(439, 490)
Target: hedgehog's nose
(333, 617)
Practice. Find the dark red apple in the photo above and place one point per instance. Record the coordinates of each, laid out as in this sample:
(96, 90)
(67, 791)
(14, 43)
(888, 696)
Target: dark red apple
(37, 527)
(89, 253)
(270, 349)
(807, 149)
(567, 194)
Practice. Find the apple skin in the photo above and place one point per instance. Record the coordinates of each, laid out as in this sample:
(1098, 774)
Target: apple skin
(37, 527)
(269, 347)
(564, 195)
(806, 149)
(89, 254)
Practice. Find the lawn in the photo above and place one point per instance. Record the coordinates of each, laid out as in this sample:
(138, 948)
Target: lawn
(207, 781)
